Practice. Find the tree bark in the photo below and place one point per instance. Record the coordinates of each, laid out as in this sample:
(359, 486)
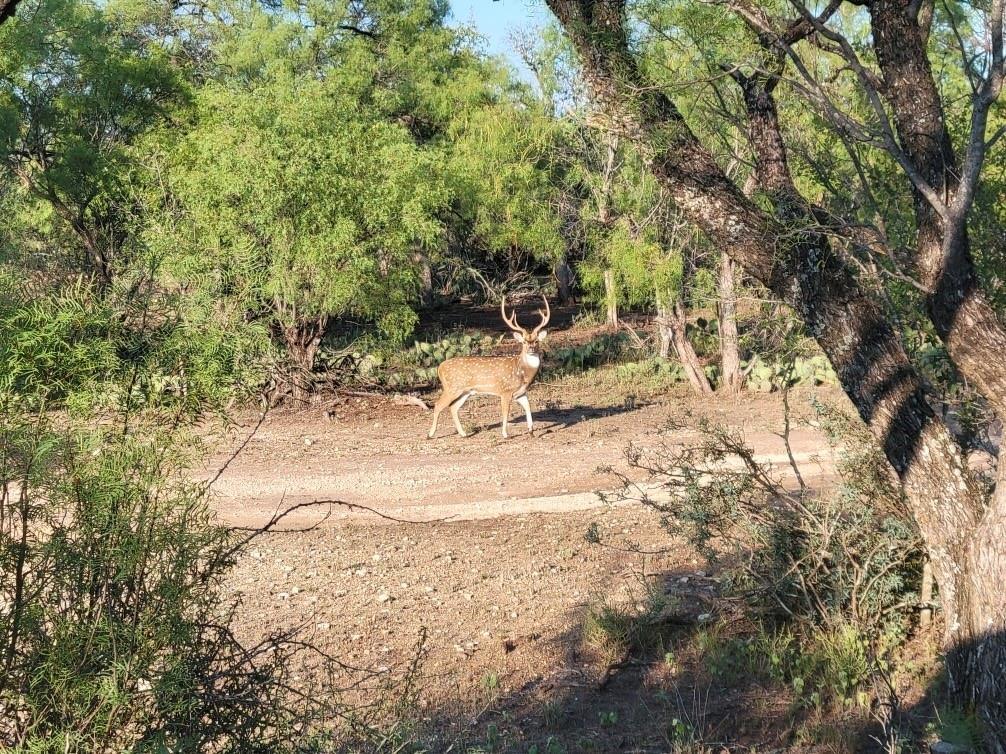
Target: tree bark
(610, 300)
(957, 307)
(672, 325)
(564, 281)
(303, 340)
(792, 256)
(732, 379)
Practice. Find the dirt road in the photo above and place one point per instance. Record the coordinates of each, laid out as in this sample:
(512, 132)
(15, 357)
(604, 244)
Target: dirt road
(376, 454)
(502, 588)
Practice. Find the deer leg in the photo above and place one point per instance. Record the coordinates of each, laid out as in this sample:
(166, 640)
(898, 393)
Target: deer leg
(455, 407)
(504, 410)
(522, 401)
(446, 399)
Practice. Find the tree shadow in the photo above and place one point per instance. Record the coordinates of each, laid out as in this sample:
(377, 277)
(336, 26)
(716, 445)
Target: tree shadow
(565, 418)
(679, 676)
(551, 419)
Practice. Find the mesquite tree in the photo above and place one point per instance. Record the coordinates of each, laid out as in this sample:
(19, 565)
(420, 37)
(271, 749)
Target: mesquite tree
(800, 253)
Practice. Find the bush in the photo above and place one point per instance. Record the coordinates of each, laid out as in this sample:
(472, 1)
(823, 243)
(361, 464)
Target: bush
(847, 555)
(114, 632)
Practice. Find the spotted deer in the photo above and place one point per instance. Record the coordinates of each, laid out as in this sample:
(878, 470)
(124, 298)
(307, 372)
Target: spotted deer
(507, 377)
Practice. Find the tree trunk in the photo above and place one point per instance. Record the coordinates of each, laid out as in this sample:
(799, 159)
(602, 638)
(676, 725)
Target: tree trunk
(425, 279)
(564, 281)
(302, 343)
(791, 254)
(663, 320)
(610, 300)
(732, 379)
(672, 325)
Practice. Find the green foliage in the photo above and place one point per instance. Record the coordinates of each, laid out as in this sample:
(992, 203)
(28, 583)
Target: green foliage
(310, 206)
(603, 349)
(77, 92)
(819, 667)
(764, 377)
(498, 165)
(643, 268)
(616, 631)
(53, 345)
(114, 628)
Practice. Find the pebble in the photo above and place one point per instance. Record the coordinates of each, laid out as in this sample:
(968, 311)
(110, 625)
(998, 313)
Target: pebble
(383, 597)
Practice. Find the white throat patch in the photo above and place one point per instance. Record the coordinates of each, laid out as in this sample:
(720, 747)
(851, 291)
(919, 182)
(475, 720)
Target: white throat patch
(531, 360)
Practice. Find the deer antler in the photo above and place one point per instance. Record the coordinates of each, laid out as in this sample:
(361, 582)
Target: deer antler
(512, 320)
(545, 316)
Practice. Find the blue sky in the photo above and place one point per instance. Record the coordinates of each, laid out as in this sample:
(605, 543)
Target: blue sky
(496, 21)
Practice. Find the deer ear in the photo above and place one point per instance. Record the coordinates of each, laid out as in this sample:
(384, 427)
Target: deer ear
(542, 335)
(518, 337)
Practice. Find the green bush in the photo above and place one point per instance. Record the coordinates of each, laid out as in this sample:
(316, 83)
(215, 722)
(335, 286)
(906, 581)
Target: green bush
(114, 628)
(604, 349)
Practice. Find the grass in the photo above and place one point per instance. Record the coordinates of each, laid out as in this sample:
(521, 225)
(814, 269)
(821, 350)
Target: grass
(616, 632)
(638, 380)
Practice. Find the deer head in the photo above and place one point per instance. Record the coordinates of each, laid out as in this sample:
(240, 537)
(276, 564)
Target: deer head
(530, 341)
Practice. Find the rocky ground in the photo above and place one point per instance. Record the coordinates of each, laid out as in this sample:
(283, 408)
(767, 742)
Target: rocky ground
(481, 564)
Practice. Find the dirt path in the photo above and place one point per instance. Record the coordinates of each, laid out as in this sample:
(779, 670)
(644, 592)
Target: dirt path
(376, 454)
(502, 589)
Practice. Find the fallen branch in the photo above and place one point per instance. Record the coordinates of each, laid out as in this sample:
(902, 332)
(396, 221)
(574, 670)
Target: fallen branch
(400, 399)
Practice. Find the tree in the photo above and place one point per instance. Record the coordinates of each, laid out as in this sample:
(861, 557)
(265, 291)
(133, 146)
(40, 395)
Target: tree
(76, 93)
(305, 206)
(796, 251)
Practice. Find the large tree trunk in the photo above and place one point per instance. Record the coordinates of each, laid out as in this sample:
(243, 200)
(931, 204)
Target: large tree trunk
(966, 541)
(302, 342)
(732, 379)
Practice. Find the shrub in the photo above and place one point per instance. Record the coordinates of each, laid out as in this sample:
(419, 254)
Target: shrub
(114, 631)
(847, 555)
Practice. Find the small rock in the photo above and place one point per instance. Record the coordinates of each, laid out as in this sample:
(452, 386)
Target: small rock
(383, 597)
(283, 596)
(308, 441)
(323, 626)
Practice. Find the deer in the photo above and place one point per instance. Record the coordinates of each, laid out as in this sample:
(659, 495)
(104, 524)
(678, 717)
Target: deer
(507, 377)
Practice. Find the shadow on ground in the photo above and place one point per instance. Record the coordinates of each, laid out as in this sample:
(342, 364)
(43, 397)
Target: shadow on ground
(670, 685)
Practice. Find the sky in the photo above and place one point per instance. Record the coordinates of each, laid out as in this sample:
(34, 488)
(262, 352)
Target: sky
(496, 20)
